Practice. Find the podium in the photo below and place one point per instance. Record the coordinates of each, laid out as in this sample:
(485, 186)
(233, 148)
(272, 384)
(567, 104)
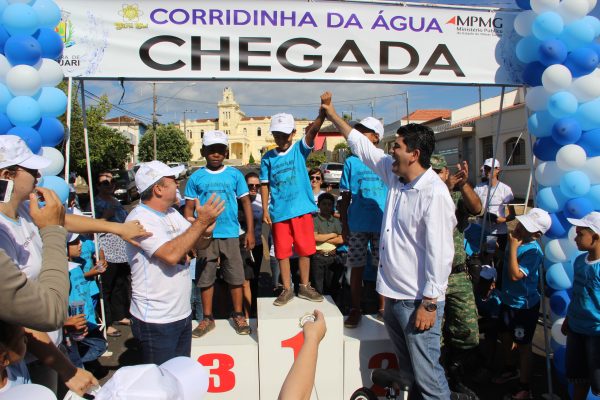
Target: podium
(280, 339)
(231, 361)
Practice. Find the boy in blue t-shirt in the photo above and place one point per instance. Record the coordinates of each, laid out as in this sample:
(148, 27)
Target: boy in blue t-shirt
(288, 201)
(520, 296)
(224, 249)
(582, 324)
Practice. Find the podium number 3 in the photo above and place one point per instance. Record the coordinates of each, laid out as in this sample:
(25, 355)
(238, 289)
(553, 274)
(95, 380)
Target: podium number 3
(221, 379)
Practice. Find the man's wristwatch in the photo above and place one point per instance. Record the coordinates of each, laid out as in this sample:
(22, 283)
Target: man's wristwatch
(429, 305)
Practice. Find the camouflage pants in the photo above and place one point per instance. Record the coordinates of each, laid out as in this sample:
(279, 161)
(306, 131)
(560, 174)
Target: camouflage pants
(460, 330)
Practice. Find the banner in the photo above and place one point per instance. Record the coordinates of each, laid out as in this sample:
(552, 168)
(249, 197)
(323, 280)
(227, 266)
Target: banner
(287, 40)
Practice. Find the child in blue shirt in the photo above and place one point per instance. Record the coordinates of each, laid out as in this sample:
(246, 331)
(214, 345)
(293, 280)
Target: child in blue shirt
(520, 296)
(582, 324)
(288, 201)
(13, 370)
(224, 249)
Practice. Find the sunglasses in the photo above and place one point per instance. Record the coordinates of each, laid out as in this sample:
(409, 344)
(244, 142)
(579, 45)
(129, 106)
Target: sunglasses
(315, 178)
(106, 182)
(253, 186)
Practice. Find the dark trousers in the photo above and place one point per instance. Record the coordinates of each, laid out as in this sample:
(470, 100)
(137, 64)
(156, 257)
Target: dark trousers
(325, 273)
(116, 290)
(162, 342)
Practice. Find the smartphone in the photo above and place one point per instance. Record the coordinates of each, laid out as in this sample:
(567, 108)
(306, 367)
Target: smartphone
(6, 188)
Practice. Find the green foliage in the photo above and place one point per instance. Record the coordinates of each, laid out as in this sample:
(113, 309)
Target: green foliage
(171, 145)
(251, 160)
(315, 159)
(341, 146)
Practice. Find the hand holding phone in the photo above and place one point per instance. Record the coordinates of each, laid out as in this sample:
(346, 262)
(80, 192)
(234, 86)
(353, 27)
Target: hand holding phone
(53, 212)
(6, 188)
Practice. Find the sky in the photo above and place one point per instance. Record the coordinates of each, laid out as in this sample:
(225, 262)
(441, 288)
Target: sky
(199, 99)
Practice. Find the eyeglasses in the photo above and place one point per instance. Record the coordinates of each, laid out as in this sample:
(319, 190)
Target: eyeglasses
(315, 178)
(253, 186)
(106, 182)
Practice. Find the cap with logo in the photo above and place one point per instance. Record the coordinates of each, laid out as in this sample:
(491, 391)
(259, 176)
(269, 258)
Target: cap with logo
(438, 161)
(592, 221)
(214, 137)
(491, 162)
(373, 124)
(282, 122)
(14, 151)
(536, 220)
(150, 172)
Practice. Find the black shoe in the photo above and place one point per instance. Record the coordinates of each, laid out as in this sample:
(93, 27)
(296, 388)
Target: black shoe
(459, 387)
(460, 396)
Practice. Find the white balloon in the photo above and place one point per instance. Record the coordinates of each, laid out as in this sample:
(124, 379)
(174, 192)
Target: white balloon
(51, 74)
(548, 174)
(591, 4)
(556, 78)
(592, 169)
(23, 80)
(540, 6)
(57, 161)
(537, 98)
(557, 334)
(4, 68)
(523, 22)
(572, 10)
(570, 157)
(560, 250)
(572, 233)
(586, 88)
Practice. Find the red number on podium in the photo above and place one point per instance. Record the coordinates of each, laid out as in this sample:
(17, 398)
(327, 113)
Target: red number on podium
(377, 362)
(219, 365)
(295, 343)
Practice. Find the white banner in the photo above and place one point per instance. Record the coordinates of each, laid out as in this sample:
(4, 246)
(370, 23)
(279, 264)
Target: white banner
(287, 40)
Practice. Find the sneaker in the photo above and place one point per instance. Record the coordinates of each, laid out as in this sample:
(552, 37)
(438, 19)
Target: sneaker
(460, 387)
(379, 316)
(240, 324)
(284, 297)
(308, 292)
(459, 396)
(205, 326)
(353, 318)
(506, 376)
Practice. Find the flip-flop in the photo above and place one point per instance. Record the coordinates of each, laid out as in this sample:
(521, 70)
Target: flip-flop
(128, 323)
(116, 333)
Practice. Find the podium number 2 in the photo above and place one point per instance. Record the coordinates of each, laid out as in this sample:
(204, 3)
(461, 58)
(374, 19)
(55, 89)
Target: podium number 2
(219, 366)
(376, 362)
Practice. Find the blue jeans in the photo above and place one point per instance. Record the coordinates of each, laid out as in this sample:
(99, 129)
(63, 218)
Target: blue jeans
(196, 301)
(162, 342)
(418, 351)
(89, 349)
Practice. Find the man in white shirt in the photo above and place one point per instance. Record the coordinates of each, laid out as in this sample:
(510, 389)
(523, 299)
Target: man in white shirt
(160, 304)
(415, 250)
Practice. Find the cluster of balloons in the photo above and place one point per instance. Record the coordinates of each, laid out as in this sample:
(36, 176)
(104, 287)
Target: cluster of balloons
(561, 57)
(29, 101)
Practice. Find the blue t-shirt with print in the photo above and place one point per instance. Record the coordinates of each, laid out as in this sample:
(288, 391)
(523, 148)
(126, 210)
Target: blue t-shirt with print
(289, 185)
(368, 192)
(229, 184)
(88, 249)
(524, 292)
(80, 291)
(584, 309)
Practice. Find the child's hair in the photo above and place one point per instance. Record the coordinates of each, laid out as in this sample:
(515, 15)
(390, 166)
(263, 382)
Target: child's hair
(251, 175)
(313, 171)
(8, 333)
(326, 196)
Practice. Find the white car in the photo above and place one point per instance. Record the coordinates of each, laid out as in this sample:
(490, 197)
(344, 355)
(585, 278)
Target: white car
(332, 173)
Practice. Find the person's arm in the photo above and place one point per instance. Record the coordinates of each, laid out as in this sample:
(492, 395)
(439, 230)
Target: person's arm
(250, 241)
(188, 212)
(300, 379)
(337, 240)
(264, 194)
(514, 270)
(315, 126)
(173, 251)
(324, 237)
(128, 231)
(340, 123)
(460, 180)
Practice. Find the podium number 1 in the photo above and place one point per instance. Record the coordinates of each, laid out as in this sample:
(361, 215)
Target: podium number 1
(219, 366)
(295, 343)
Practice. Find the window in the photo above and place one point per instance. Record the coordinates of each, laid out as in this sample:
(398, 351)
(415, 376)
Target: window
(258, 131)
(487, 148)
(245, 131)
(514, 151)
(202, 134)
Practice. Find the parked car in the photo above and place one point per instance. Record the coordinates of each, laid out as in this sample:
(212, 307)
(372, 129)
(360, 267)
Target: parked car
(332, 173)
(183, 173)
(125, 190)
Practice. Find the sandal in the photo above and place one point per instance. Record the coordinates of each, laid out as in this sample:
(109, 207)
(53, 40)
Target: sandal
(115, 333)
(124, 322)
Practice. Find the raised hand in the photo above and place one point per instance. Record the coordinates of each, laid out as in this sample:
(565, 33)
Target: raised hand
(210, 211)
(53, 213)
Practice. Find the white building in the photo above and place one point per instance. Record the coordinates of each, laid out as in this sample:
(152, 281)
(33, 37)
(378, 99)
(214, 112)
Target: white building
(132, 129)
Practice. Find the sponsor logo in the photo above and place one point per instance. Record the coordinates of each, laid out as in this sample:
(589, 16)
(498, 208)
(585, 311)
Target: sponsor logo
(65, 28)
(477, 25)
(130, 13)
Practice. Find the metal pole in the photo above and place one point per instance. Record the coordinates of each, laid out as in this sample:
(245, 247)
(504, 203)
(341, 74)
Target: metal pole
(154, 120)
(407, 115)
(68, 131)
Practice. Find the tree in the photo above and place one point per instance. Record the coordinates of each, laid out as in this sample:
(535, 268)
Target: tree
(315, 159)
(251, 160)
(171, 145)
(341, 146)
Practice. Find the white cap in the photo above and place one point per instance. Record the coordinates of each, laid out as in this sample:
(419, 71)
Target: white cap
(282, 122)
(488, 272)
(14, 151)
(592, 221)
(373, 124)
(151, 172)
(29, 391)
(536, 220)
(214, 137)
(490, 161)
(180, 378)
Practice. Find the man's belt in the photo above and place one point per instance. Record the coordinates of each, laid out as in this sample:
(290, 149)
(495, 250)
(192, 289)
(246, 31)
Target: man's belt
(324, 253)
(456, 269)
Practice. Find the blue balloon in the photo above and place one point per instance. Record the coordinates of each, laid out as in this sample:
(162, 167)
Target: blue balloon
(527, 49)
(58, 185)
(51, 130)
(5, 124)
(594, 23)
(594, 197)
(545, 149)
(5, 97)
(574, 184)
(588, 115)
(550, 199)
(23, 111)
(559, 276)
(559, 360)
(559, 302)
(547, 25)
(52, 101)
(3, 5)
(577, 34)
(552, 51)
(559, 227)
(590, 142)
(582, 61)
(48, 12)
(578, 207)
(4, 35)
(524, 4)
(562, 104)
(29, 136)
(532, 74)
(51, 43)
(540, 124)
(20, 19)
(23, 49)
(566, 131)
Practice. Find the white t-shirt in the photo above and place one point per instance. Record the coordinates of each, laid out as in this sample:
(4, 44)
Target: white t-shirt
(22, 242)
(501, 195)
(17, 374)
(257, 213)
(160, 292)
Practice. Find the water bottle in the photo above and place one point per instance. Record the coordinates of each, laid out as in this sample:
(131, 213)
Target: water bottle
(75, 308)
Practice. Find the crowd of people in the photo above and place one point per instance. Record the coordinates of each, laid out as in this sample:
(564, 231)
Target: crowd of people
(448, 270)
